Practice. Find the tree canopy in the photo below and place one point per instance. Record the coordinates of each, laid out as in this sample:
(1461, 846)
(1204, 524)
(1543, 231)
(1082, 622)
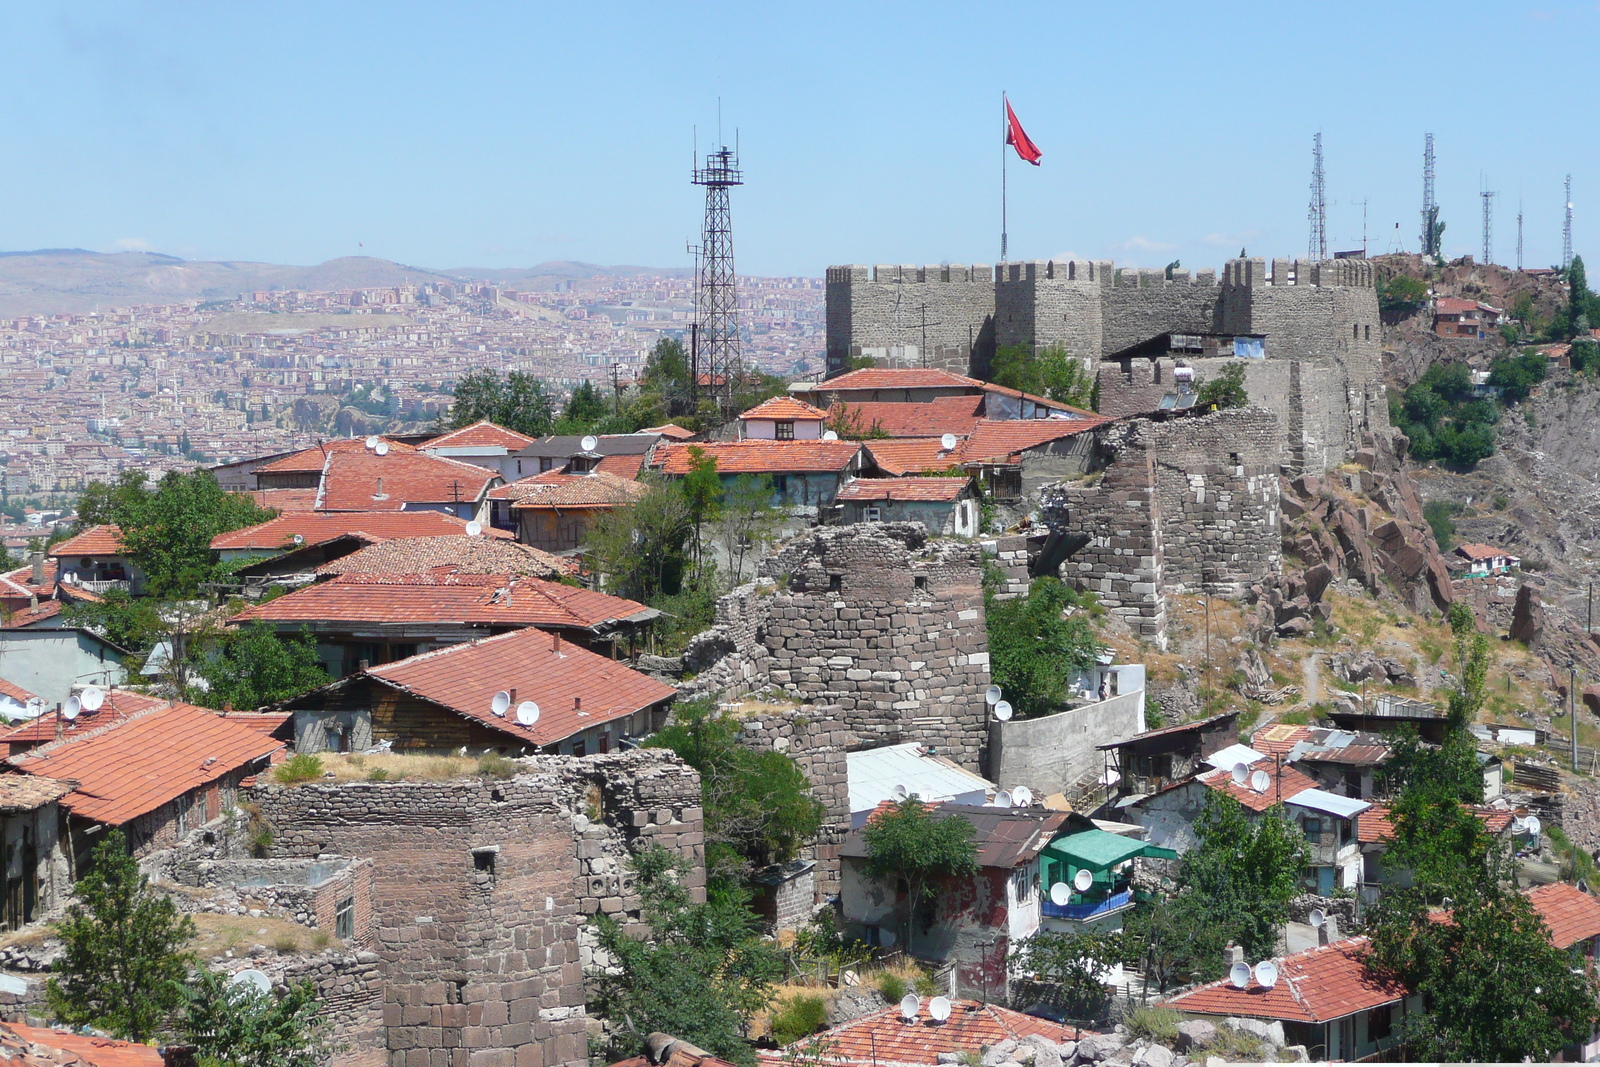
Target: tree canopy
(253, 666)
(1048, 372)
(908, 843)
(1226, 390)
(240, 1026)
(1035, 648)
(518, 401)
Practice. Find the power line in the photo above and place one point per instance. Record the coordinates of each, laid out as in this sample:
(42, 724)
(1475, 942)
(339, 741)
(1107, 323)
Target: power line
(1317, 246)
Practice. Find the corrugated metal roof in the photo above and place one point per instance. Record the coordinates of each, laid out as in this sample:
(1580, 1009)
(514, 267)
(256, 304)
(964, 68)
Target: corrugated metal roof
(1226, 759)
(873, 775)
(1332, 803)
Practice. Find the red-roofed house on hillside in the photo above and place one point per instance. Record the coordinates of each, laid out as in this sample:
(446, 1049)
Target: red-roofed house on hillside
(442, 700)
(1458, 317)
(1572, 915)
(782, 418)
(943, 505)
(803, 473)
(886, 1039)
(97, 560)
(1014, 458)
(276, 536)
(399, 481)
(1324, 998)
(1481, 561)
(553, 511)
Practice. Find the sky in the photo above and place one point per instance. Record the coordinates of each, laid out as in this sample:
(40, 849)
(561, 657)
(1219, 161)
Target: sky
(504, 135)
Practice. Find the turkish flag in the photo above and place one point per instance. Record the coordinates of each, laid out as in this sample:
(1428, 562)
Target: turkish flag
(1017, 138)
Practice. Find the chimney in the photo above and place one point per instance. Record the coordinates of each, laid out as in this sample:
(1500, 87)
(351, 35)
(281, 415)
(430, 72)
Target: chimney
(555, 641)
(512, 692)
(1231, 955)
(1328, 932)
(60, 723)
(38, 566)
(577, 703)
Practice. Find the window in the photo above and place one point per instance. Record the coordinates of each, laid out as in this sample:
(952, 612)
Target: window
(344, 919)
(1368, 331)
(1355, 332)
(780, 484)
(920, 582)
(545, 463)
(783, 431)
(872, 514)
(1380, 1023)
(483, 860)
(1345, 826)
(1312, 828)
(835, 583)
(580, 747)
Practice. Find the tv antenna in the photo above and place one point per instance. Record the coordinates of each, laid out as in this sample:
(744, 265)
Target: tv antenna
(1317, 247)
(992, 695)
(1488, 226)
(69, 710)
(947, 443)
(1002, 799)
(1430, 207)
(717, 294)
(1241, 773)
(1519, 235)
(92, 698)
(1083, 880)
(474, 528)
(1060, 894)
(1267, 973)
(900, 793)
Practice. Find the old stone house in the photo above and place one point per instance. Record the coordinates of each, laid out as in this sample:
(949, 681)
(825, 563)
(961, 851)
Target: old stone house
(554, 511)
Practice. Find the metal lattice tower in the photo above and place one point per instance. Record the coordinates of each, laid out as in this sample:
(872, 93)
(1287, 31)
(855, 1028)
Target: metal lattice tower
(717, 296)
(1566, 230)
(1430, 207)
(1317, 247)
(1519, 235)
(1488, 226)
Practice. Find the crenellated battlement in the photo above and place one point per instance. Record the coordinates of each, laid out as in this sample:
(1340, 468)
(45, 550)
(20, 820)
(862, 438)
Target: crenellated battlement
(1285, 273)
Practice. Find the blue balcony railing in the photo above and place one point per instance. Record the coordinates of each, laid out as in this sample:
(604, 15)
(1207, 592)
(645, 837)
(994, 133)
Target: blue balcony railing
(1088, 909)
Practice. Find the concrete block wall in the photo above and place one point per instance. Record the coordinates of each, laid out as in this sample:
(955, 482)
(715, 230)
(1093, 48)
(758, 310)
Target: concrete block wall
(1051, 754)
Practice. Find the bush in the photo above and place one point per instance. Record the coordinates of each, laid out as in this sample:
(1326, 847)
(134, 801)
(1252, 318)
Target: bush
(801, 1017)
(892, 986)
(1440, 516)
(494, 765)
(1153, 719)
(1154, 1024)
(378, 774)
(300, 767)
(286, 943)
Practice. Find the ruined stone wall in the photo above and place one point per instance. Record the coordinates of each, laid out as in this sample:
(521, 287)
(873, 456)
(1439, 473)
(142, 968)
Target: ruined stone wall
(817, 738)
(884, 309)
(481, 887)
(1143, 303)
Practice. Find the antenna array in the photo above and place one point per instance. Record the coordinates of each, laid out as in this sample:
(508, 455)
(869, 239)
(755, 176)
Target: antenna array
(1317, 247)
(1519, 235)
(717, 295)
(1488, 226)
(1430, 207)
(1566, 229)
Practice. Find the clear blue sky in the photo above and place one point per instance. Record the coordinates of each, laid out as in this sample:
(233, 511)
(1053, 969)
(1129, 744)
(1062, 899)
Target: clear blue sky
(484, 134)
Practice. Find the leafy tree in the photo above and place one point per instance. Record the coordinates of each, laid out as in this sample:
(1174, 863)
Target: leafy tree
(1226, 390)
(520, 401)
(1049, 372)
(584, 411)
(1245, 870)
(1402, 295)
(746, 521)
(1035, 648)
(701, 974)
(101, 503)
(254, 667)
(1074, 964)
(1582, 310)
(667, 375)
(123, 963)
(1175, 940)
(168, 532)
(1515, 375)
(1442, 418)
(126, 621)
(758, 806)
(907, 844)
(240, 1026)
(1451, 769)
(639, 548)
(1584, 354)
(702, 493)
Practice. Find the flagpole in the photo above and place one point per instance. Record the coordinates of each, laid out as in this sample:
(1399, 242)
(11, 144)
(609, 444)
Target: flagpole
(1006, 127)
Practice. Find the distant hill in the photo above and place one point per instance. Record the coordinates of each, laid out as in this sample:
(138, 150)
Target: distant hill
(51, 280)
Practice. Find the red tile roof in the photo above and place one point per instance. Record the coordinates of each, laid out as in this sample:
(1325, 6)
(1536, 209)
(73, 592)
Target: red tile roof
(555, 489)
(884, 1037)
(941, 490)
(787, 409)
(20, 581)
(36, 1045)
(16, 692)
(464, 599)
(118, 705)
(762, 457)
(134, 766)
(671, 430)
(316, 527)
(932, 418)
(314, 459)
(1480, 551)
(993, 440)
(541, 668)
(1571, 914)
(457, 554)
(105, 540)
(1315, 986)
(898, 378)
(621, 466)
(910, 455)
(26, 792)
(480, 434)
(1287, 783)
(1375, 824)
(366, 481)
(284, 501)
(1054, 405)
(1279, 738)
(32, 616)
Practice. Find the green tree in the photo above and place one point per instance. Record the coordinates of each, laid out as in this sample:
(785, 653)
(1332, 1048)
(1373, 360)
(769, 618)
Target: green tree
(254, 667)
(1074, 963)
(168, 532)
(585, 410)
(1226, 390)
(101, 503)
(907, 845)
(702, 494)
(1048, 372)
(1245, 870)
(701, 973)
(1515, 375)
(520, 401)
(758, 805)
(478, 396)
(639, 549)
(747, 521)
(123, 963)
(1035, 647)
(1402, 295)
(240, 1026)
(667, 376)
(1451, 768)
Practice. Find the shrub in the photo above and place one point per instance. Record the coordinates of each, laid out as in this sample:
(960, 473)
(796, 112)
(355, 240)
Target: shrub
(494, 765)
(1440, 516)
(378, 774)
(892, 986)
(1152, 714)
(1154, 1024)
(300, 767)
(800, 1017)
(286, 943)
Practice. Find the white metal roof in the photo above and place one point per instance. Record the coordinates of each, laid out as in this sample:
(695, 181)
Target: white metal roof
(875, 772)
(1225, 759)
(1332, 803)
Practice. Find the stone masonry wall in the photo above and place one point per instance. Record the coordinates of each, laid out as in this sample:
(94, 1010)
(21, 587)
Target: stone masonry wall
(817, 738)
(481, 888)
(887, 309)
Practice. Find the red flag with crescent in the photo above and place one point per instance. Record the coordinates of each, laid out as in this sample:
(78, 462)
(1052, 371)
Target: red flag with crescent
(1018, 139)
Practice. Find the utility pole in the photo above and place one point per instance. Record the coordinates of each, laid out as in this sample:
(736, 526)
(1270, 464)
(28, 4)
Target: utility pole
(923, 309)
(1317, 246)
(1572, 708)
(616, 384)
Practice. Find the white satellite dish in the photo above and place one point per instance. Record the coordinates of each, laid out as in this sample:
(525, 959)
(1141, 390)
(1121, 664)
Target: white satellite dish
(1241, 771)
(909, 1006)
(252, 979)
(992, 695)
(1260, 780)
(474, 529)
(70, 709)
(298, 539)
(939, 1008)
(1003, 711)
(527, 713)
(1240, 976)
(91, 698)
(1002, 799)
(500, 704)
(372, 442)
(1022, 795)
(1083, 880)
(947, 442)
(1267, 973)
(829, 435)
(382, 449)
(1317, 917)
(899, 793)
(589, 443)
(1061, 894)
(1532, 826)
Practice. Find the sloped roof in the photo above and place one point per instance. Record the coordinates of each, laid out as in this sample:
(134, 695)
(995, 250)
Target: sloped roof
(103, 540)
(32, 1045)
(1571, 914)
(1375, 824)
(134, 766)
(1286, 783)
(20, 581)
(1315, 986)
(898, 378)
(762, 457)
(1481, 551)
(785, 408)
(993, 440)
(1005, 836)
(16, 692)
(671, 431)
(317, 527)
(27, 792)
(454, 554)
(929, 418)
(314, 459)
(32, 616)
(909, 455)
(1166, 731)
(366, 481)
(622, 466)
(934, 490)
(1042, 401)
(118, 705)
(885, 1038)
(599, 489)
(284, 501)
(479, 434)
(540, 668)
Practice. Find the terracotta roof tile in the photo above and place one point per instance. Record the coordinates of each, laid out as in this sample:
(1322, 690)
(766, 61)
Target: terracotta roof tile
(1279, 738)
(994, 440)
(118, 705)
(104, 540)
(457, 554)
(284, 501)
(27, 792)
(1571, 914)
(898, 378)
(944, 490)
(1286, 783)
(38, 1045)
(910, 455)
(556, 489)
(763, 457)
(1315, 986)
(16, 692)
(317, 527)
(621, 466)
(885, 1038)
(480, 434)
(1054, 405)
(313, 459)
(670, 430)
(134, 766)
(365, 481)
(20, 581)
(932, 418)
(785, 408)
(32, 616)
(1376, 825)
(1480, 551)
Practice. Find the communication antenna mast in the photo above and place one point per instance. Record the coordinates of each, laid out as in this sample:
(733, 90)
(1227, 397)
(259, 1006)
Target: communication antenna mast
(1519, 236)
(1488, 226)
(1566, 230)
(717, 298)
(1430, 207)
(1317, 247)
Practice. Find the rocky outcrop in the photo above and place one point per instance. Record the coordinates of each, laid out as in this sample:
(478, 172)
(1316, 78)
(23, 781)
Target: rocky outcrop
(1527, 617)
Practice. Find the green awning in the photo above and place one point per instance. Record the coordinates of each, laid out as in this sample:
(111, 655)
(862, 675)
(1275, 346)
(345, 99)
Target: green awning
(1098, 850)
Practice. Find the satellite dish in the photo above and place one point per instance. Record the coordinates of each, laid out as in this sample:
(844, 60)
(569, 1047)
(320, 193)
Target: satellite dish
(253, 980)
(1260, 780)
(474, 529)
(1241, 771)
(939, 1008)
(992, 695)
(1060, 894)
(947, 442)
(1267, 973)
(1532, 826)
(909, 1005)
(885, 936)
(829, 435)
(298, 539)
(372, 442)
(1002, 711)
(382, 449)
(527, 713)
(1317, 917)
(1240, 976)
(91, 698)
(589, 443)
(70, 709)
(1022, 795)
(1002, 799)
(1083, 880)
(899, 793)
(500, 704)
